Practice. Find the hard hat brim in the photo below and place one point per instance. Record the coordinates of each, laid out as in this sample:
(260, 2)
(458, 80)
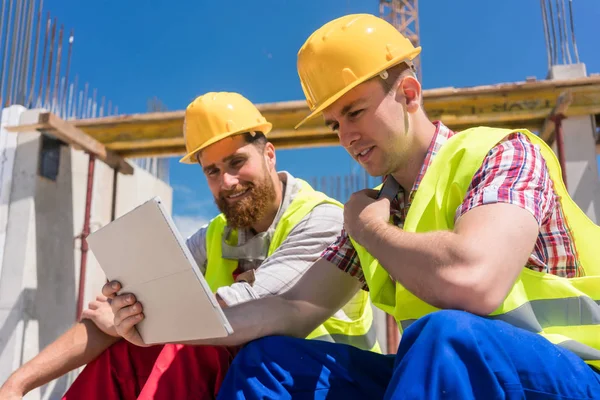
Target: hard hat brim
(190, 158)
(398, 60)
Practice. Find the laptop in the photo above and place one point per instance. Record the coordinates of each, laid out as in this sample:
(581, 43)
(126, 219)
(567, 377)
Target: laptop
(145, 252)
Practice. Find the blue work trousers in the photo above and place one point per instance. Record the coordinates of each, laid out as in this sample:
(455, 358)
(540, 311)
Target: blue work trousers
(444, 355)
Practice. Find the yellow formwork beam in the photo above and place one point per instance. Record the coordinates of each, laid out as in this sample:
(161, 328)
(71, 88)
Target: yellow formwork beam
(511, 105)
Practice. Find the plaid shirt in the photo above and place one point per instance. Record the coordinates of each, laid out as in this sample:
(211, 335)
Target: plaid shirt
(513, 172)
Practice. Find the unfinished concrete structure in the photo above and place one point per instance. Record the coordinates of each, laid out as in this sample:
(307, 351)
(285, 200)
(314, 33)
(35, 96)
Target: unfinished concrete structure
(40, 220)
(40, 217)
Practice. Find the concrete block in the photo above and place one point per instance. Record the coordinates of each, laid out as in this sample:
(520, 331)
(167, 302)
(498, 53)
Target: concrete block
(567, 71)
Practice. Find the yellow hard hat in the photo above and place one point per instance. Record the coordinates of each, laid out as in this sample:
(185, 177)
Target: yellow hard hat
(217, 115)
(346, 52)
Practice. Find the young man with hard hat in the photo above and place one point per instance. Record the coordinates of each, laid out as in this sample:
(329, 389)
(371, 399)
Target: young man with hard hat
(473, 245)
(273, 226)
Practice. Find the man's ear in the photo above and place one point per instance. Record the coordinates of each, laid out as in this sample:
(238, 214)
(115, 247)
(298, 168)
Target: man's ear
(269, 154)
(409, 92)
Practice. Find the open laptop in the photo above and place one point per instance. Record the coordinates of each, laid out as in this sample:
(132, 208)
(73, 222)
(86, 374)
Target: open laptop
(145, 252)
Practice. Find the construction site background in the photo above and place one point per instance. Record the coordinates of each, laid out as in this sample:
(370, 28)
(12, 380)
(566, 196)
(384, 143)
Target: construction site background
(70, 161)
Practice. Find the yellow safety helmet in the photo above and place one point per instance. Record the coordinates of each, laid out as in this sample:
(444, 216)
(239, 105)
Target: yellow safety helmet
(217, 115)
(346, 52)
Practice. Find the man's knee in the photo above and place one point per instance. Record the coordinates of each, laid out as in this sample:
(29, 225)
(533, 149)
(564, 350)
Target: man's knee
(448, 323)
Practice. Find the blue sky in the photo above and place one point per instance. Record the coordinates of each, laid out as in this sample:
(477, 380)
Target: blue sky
(134, 50)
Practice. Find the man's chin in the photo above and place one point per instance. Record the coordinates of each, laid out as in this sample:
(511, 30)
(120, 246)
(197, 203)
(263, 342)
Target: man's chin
(240, 217)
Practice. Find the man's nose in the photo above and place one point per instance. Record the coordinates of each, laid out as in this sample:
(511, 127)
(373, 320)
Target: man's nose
(229, 181)
(348, 135)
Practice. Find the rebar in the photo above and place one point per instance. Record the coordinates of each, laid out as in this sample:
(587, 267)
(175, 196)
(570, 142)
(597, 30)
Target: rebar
(1, 37)
(22, 98)
(11, 61)
(94, 107)
(5, 57)
(573, 31)
(73, 107)
(85, 98)
(546, 33)
(553, 34)
(565, 31)
(68, 103)
(56, 89)
(102, 104)
(41, 85)
(14, 78)
(35, 54)
(50, 59)
(71, 38)
(79, 102)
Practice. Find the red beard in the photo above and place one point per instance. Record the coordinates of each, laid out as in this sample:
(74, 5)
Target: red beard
(252, 207)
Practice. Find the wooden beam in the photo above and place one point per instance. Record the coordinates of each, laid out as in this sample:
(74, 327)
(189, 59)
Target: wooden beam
(521, 104)
(510, 105)
(68, 133)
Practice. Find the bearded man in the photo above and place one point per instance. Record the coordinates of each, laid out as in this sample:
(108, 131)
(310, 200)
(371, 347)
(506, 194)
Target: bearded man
(272, 227)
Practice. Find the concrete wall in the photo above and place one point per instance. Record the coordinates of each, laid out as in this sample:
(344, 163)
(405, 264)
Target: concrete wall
(39, 267)
(580, 151)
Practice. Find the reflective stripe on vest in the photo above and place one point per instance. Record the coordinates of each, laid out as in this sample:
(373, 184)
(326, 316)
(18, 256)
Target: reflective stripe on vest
(566, 311)
(535, 316)
(367, 341)
(359, 332)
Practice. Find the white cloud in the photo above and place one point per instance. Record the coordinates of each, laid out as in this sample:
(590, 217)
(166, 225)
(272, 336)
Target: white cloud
(183, 189)
(189, 224)
(190, 205)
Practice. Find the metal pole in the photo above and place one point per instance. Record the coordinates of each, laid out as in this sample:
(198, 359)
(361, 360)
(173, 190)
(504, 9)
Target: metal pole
(560, 145)
(84, 234)
(85, 96)
(94, 104)
(5, 57)
(22, 97)
(566, 31)
(546, 33)
(69, 102)
(40, 87)
(573, 31)
(73, 106)
(35, 54)
(78, 112)
(113, 208)
(2, 17)
(49, 73)
(13, 46)
(102, 104)
(57, 70)
(71, 38)
(553, 34)
(14, 81)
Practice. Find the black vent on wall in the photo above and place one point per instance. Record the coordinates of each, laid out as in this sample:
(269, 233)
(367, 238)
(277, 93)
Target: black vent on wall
(49, 157)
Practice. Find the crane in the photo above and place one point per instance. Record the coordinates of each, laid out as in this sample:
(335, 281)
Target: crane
(404, 16)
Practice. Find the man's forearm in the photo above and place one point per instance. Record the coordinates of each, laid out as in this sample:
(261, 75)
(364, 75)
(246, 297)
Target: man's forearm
(435, 266)
(80, 345)
(275, 315)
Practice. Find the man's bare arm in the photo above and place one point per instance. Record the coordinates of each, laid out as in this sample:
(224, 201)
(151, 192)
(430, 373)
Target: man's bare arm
(81, 344)
(471, 268)
(321, 291)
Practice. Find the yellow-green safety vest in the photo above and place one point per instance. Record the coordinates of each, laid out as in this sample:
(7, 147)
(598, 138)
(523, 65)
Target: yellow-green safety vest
(358, 332)
(566, 311)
